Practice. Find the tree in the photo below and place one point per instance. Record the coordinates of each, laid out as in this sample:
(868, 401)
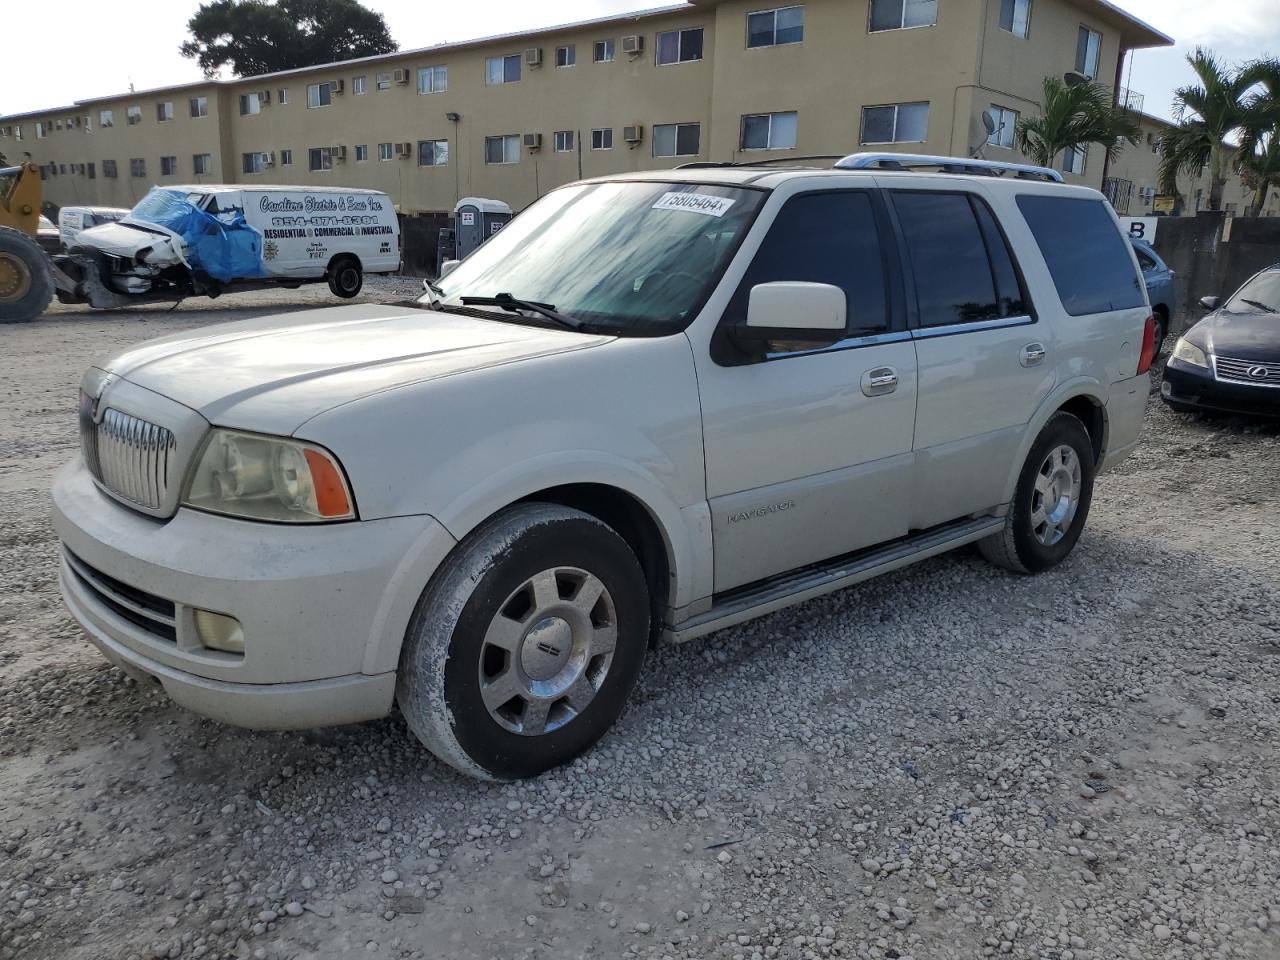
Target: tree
(256, 36)
(1209, 114)
(1074, 116)
(1258, 160)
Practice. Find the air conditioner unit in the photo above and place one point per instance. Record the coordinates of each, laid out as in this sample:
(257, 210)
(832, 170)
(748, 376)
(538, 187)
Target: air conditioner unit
(269, 159)
(633, 44)
(633, 134)
(402, 77)
(264, 97)
(338, 152)
(533, 56)
(533, 140)
(336, 87)
(404, 149)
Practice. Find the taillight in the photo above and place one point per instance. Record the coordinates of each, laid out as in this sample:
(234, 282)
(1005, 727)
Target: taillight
(1148, 354)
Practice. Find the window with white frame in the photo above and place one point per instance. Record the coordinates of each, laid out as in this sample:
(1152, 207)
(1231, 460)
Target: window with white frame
(164, 111)
(1088, 50)
(168, 166)
(319, 95)
(358, 88)
(319, 158)
(602, 51)
(433, 153)
(679, 46)
(563, 141)
(42, 129)
(774, 28)
(199, 107)
(676, 139)
(896, 123)
(1073, 159)
(503, 149)
(1015, 16)
(383, 81)
(106, 118)
(137, 167)
(282, 96)
(902, 14)
(201, 164)
(433, 79)
(769, 131)
(252, 162)
(1006, 124)
(602, 138)
(286, 158)
(502, 70)
(566, 56)
(250, 104)
(362, 152)
(133, 115)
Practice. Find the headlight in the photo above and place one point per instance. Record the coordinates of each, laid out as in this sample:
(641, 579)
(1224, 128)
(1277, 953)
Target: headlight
(1189, 353)
(268, 478)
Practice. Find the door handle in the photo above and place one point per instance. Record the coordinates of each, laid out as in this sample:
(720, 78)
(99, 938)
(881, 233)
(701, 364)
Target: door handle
(879, 381)
(1031, 354)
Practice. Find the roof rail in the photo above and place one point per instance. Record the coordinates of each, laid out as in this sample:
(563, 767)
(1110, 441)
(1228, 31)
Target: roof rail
(909, 161)
(774, 161)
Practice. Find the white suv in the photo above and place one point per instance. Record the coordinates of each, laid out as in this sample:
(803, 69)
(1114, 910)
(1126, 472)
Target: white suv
(651, 407)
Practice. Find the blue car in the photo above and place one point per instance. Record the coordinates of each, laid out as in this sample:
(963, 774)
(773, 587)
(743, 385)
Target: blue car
(1159, 280)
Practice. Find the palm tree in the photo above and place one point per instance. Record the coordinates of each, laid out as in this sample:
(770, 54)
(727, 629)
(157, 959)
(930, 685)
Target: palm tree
(1258, 161)
(1074, 116)
(1220, 106)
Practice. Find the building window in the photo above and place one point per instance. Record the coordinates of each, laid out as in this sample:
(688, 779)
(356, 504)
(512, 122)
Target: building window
(201, 164)
(566, 56)
(319, 95)
(286, 158)
(382, 81)
(1088, 47)
(282, 96)
(362, 152)
(433, 153)
(137, 167)
(602, 51)
(252, 162)
(92, 171)
(106, 118)
(433, 79)
(769, 131)
(679, 46)
(384, 151)
(896, 123)
(772, 28)
(505, 149)
(502, 70)
(320, 158)
(1015, 16)
(250, 104)
(42, 129)
(676, 139)
(1073, 159)
(164, 111)
(109, 169)
(357, 86)
(564, 141)
(602, 138)
(168, 166)
(199, 107)
(133, 115)
(902, 14)
(1006, 125)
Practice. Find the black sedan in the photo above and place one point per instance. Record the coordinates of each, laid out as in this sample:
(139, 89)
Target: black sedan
(1230, 360)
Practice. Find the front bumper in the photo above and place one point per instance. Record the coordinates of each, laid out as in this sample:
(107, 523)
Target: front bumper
(324, 608)
(1186, 387)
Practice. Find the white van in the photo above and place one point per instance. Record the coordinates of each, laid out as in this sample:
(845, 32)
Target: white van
(72, 221)
(206, 239)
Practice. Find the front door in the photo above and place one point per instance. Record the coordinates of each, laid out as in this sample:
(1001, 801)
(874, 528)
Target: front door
(808, 449)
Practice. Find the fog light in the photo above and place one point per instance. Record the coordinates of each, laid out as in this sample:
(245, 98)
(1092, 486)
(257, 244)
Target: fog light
(219, 632)
(1165, 389)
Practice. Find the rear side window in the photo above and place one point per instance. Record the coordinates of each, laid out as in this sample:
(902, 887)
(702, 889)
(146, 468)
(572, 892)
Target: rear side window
(1087, 256)
(961, 264)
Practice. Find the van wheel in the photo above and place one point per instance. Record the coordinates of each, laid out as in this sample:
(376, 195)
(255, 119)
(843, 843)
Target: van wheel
(345, 277)
(524, 649)
(26, 280)
(1051, 502)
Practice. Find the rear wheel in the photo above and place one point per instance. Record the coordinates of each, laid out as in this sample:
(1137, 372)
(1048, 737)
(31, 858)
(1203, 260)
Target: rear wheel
(345, 277)
(1162, 331)
(26, 280)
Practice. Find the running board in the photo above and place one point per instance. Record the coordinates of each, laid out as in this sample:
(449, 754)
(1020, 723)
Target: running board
(797, 586)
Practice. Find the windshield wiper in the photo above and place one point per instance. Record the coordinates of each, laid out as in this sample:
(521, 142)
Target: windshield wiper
(1260, 306)
(507, 302)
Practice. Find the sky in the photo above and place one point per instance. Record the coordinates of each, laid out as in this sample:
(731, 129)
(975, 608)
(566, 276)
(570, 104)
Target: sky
(101, 48)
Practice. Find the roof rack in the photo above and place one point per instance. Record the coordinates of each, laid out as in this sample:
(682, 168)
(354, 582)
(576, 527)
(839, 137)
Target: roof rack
(710, 164)
(910, 161)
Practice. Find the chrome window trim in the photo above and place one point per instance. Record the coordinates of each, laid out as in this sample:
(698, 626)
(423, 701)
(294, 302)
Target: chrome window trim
(923, 333)
(849, 343)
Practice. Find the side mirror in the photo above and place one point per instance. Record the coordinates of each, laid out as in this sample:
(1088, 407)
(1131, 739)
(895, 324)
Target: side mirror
(448, 267)
(1209, 303)
(795, 310)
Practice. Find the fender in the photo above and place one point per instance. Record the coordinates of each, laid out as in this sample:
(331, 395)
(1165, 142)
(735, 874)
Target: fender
(1067, 390)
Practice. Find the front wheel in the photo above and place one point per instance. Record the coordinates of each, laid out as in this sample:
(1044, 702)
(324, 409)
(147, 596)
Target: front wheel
(524, 649)
(26, 280)
(1051, 501)
(345, 277)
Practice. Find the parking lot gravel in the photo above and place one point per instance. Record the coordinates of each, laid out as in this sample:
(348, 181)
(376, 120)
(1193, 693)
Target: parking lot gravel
(949, 762)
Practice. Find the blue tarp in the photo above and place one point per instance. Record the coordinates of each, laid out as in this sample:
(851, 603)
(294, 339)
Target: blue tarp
(223, 246)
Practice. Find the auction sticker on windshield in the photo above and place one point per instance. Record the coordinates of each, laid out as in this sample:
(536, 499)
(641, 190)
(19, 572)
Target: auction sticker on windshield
(695, 203)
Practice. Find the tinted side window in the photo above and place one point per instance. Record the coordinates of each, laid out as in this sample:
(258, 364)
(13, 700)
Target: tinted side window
(825, 238)
(1010, 294)
(954, 280)
(1086, 255)
(1144, 261)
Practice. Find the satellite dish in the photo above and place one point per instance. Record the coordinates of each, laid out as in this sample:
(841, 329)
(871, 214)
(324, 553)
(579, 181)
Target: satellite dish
(989, 122)
(1073, 78)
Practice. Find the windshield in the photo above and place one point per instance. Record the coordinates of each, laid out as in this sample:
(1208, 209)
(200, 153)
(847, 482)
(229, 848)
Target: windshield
(637, 258)
(1260, 293)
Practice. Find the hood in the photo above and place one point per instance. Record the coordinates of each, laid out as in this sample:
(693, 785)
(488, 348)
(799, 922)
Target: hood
(120, 239)
(1242, 336)
(272, 374)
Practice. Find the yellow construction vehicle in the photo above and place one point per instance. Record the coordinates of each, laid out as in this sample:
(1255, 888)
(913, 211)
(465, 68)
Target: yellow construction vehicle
(27, 280)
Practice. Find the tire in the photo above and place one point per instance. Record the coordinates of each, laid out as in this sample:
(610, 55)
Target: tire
(1162, 331)
(1036, 538)
(345, 277)
(26, 278)
(515, 580)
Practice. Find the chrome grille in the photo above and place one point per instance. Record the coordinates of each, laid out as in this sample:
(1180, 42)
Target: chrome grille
(1258, 373)
(128, 456)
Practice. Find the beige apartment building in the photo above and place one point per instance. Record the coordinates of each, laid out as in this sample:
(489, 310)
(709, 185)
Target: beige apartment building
(513, 116)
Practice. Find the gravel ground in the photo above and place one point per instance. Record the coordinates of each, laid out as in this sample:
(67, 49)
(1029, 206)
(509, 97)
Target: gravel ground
(948, 762)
